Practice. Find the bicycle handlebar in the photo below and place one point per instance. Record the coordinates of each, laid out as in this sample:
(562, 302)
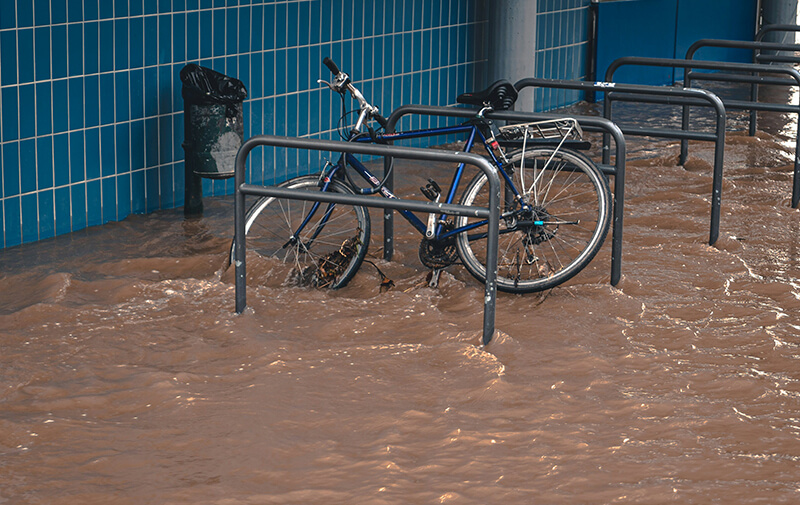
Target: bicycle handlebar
(341, 83)
(331, 65)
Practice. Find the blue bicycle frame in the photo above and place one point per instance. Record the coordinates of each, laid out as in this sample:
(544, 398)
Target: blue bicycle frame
(474, 132)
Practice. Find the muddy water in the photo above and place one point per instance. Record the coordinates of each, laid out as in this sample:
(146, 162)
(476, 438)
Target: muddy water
(125, 377)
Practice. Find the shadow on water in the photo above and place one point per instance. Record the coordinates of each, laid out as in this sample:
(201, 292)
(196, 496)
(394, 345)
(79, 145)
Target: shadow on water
(127, 377)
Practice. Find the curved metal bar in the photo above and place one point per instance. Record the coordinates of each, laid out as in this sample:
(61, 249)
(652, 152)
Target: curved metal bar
(736, 67)
(677, 96)
(738, 44)
(659, 94)
(699, 64)
(492, 212)
(776, 28)
(588, 123)
(756, 46)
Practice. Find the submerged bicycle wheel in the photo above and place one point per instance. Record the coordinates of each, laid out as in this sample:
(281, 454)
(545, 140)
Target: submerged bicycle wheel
(329, 248)
(539, 249)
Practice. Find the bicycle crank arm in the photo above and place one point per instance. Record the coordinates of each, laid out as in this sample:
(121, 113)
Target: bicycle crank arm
(432, 192)
(430, 231)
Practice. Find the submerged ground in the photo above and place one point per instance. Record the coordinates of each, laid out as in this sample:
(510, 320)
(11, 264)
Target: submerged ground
(127, 378)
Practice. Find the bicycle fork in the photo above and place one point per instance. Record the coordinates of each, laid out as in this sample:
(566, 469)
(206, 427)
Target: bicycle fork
(294, 239)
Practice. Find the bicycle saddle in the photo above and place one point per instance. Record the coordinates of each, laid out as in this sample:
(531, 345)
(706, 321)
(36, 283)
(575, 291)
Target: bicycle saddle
(501, 95)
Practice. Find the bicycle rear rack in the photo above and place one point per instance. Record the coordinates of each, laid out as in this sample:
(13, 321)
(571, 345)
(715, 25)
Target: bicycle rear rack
(564, 129)
(492, 212)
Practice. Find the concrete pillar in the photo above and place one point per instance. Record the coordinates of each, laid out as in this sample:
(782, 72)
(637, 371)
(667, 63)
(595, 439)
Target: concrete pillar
(779, 12)
(511, 50)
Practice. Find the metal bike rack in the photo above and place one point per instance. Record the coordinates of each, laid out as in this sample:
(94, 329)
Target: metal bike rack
(756, 46)
(752, 68)
(757, 58)
(587, 123)
(661, 95)
(492, 213)
(774, 28)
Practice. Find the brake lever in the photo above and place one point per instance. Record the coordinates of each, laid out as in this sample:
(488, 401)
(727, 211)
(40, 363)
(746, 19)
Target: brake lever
(331, 86)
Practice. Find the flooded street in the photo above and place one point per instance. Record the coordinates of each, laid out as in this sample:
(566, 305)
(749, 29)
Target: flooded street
(128, 379)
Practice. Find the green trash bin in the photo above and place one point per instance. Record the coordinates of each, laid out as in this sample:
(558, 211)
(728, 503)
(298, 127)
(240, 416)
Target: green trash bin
(213, 121)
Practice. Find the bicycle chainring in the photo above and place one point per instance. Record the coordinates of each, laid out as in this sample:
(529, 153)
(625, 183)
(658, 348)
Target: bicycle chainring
(439, 253)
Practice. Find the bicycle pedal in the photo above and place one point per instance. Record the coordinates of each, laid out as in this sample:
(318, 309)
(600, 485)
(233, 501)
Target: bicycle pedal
(431, 190)
(429, 193)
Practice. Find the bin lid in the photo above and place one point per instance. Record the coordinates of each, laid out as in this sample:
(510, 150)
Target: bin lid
(203, 86)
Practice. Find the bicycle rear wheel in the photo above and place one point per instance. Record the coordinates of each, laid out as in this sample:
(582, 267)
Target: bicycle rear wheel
(569, 220)
(329, 248)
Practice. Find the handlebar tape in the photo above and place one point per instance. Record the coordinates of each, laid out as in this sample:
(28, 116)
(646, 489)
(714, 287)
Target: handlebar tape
(331, 65)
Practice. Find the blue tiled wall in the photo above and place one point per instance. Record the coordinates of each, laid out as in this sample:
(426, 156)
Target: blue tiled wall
(561, 49)
(91, 115)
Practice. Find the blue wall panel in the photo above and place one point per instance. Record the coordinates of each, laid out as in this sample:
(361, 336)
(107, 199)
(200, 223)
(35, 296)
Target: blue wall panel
(636, 28)
(100, 80)
(666, 29)
(731, 20)
(561, 49)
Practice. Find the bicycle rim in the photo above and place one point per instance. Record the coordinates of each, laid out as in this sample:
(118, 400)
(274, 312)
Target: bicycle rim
(330, 247)
(541, 249)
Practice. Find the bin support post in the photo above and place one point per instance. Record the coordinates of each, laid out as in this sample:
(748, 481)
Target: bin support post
(192, 194)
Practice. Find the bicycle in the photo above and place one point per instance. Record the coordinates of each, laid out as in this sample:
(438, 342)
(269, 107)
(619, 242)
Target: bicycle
(555, 208)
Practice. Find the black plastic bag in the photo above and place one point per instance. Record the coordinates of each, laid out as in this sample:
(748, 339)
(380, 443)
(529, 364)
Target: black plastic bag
(203, 86)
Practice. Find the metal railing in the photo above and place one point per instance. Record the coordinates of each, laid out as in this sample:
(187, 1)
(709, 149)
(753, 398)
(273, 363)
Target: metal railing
(492, 212)
(593, 124)
(756, 46)
(764, 30)
(662, 95)
(750, 77)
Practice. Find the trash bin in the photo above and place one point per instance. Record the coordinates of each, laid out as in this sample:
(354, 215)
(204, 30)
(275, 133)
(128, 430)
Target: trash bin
(213, 123)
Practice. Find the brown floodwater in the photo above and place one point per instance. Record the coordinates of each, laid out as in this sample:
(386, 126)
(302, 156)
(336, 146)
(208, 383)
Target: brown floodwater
(126, 377)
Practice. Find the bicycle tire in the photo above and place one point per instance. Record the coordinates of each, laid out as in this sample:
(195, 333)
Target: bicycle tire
(572, 201)
(337, 251)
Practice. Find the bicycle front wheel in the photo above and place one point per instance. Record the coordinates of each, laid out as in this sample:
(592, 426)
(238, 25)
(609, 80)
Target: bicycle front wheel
(324, 243)
(568, 216)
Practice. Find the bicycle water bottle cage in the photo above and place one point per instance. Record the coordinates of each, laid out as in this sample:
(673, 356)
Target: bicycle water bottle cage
(501, 95)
